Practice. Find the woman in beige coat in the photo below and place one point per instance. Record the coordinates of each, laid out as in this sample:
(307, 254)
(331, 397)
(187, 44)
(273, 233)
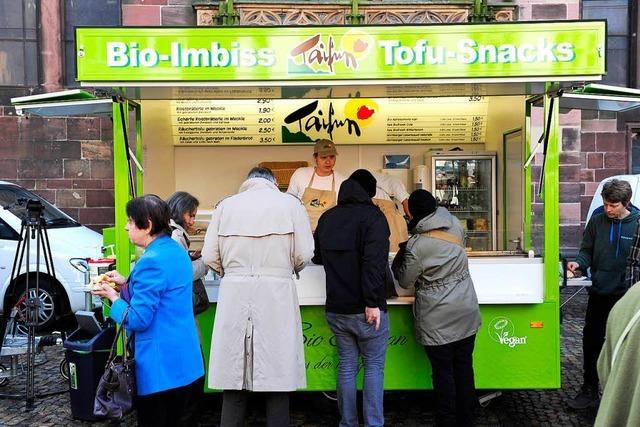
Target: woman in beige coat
(257, 240)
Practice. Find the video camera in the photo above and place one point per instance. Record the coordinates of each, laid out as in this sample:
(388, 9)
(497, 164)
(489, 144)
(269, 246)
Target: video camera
(34, 208)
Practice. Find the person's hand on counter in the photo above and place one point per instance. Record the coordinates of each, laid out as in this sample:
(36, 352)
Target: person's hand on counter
(372, 315)
(572, 265)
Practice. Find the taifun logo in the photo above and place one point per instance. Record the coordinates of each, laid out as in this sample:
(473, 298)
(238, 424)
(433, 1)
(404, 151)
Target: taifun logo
(502, 331)
(320, 53)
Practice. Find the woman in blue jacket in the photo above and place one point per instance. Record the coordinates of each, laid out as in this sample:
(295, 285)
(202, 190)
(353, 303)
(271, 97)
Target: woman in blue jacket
(169, 367)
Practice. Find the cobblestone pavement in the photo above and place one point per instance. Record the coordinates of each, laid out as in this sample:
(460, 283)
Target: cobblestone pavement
(513, 408)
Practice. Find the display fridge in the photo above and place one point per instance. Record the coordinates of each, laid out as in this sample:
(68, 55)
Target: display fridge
(464, 182)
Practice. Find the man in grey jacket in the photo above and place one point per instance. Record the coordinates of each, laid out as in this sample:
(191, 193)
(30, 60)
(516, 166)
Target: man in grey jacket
(447, 315)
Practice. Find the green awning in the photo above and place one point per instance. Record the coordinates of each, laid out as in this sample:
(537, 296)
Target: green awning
(600, 89)
(74, 102)
(601, 97)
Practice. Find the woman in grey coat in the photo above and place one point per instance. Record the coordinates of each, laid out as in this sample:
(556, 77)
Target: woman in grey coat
(446, 310)
(184, 208)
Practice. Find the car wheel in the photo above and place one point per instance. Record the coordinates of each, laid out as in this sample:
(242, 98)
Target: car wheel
(50, 306)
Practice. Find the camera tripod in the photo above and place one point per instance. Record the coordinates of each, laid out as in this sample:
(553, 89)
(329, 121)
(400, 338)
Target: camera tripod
(34, 229)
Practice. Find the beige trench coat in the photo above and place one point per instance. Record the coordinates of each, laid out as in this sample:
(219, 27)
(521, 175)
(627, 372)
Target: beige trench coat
(257, 240)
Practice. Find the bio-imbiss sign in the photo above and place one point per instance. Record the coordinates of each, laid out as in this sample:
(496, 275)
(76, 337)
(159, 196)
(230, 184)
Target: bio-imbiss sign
(518, 51)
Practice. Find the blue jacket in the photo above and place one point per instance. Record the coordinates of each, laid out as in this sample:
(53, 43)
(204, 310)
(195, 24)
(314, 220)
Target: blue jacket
(167, 349)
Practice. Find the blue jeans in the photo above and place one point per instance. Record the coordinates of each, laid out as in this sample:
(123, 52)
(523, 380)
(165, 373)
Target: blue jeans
(355, 337)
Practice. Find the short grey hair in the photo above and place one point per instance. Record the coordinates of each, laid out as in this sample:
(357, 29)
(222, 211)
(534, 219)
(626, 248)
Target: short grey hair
(260, 172)
(617, 191)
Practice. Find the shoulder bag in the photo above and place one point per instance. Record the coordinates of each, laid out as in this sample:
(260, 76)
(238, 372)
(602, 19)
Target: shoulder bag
(117, 388)
(200, 298)
(199, 292)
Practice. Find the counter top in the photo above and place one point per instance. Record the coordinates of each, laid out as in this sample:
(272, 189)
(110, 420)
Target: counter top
(497, 280)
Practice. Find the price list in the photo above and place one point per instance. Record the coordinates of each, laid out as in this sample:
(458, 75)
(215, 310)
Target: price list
(244, 92)
(267, 121)
(465, 123)
(224, 122)
(419, 90)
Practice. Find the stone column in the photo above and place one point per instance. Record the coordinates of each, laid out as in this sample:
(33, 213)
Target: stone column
(51, 44)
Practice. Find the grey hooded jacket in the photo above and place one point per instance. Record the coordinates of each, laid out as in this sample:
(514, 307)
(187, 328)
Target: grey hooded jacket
(446, 306)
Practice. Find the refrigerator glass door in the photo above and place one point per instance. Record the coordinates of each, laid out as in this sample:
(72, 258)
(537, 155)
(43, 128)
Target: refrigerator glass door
(465, 188)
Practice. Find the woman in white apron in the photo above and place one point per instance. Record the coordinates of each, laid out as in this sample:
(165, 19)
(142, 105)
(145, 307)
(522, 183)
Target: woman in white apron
(318, 186)
(397, 223)
(389, 189)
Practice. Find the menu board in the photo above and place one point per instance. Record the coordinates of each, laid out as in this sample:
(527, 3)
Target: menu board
(461, 120)
(219, 92)
(323, 92)
(265, 121)
(231, 122)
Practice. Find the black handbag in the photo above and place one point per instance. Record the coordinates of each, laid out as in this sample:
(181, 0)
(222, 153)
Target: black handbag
(117, 387)
(389, 284)
(200, 298)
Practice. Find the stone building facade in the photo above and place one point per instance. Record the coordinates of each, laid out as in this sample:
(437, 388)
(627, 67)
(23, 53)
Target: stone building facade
(68, 160)
(65, 160)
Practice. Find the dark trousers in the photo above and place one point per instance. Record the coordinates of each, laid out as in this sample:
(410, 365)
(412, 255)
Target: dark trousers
(174, 407)
(234, 408)
(453, 384)
(595, 323)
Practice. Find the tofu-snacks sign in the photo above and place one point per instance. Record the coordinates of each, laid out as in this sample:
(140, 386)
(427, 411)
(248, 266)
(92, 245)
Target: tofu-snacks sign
(562, 49)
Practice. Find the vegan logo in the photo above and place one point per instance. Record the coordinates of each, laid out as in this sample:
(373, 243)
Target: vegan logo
(317, 55)
(502, 331)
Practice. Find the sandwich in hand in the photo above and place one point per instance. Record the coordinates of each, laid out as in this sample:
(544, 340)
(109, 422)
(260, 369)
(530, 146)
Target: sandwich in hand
(98, 281)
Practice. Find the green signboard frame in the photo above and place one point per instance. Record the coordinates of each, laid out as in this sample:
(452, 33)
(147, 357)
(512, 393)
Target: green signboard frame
(518, 346)
(368, 55)
(519, 51)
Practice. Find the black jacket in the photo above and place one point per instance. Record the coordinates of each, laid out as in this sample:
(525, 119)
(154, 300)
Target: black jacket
(352, 242)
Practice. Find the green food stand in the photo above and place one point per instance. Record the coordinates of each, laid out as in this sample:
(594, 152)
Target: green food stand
(213, 101)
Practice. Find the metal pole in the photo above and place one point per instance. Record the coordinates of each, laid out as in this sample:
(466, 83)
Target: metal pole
(29, 303)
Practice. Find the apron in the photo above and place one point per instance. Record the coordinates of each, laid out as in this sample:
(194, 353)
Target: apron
(397, 224)
(316, 202)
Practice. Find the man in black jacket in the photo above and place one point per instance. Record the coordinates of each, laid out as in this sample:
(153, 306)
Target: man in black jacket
(352, 242)
(605, 248)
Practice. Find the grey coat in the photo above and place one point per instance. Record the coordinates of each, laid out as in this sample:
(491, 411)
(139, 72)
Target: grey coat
(446, 306)
(180, 235)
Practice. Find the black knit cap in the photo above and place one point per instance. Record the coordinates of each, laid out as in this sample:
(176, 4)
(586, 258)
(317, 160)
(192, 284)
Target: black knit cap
(422, 203)
(366, 180)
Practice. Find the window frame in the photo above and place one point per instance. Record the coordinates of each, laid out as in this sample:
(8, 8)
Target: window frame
(69, 64)
(628, 74)
(15, 236)
(631, 129)
(634, 51)
(23, 40)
